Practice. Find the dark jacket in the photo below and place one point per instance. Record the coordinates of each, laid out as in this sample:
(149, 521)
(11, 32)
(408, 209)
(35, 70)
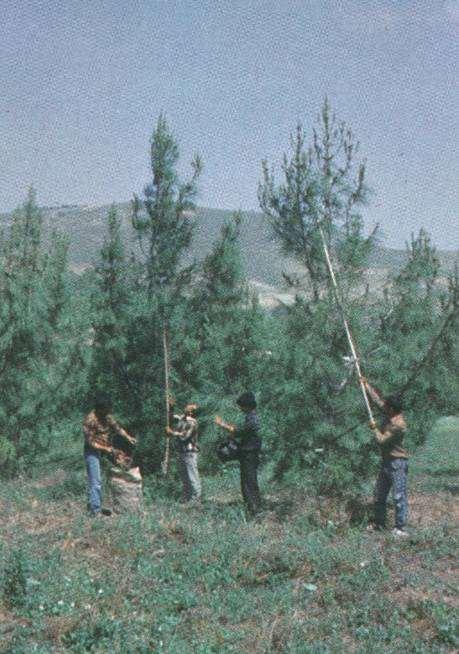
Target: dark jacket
(247, 434)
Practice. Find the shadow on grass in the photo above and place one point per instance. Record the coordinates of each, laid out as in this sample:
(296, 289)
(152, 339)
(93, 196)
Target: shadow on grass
(445, 472)
(451, 488)
(360, 511)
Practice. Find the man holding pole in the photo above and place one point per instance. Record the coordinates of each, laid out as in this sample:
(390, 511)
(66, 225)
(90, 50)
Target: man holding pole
(186, 431)
(394, 466)
(394, 469)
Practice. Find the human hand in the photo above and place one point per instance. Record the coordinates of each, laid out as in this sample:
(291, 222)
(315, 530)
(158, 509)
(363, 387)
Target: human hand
(372, 425)
(120, 458)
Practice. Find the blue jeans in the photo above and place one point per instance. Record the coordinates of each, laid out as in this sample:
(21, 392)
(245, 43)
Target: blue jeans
(393, 474)
(94, 482)
(188, 464)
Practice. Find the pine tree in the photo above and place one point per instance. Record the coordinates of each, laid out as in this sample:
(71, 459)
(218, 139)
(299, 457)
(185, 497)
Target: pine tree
(230, 323)
(417, 351)
(163, 226)
(227, 337)
(40, 351)
(322, 191)
(110, 311)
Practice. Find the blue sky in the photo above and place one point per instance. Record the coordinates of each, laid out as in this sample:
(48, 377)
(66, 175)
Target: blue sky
(83, 83)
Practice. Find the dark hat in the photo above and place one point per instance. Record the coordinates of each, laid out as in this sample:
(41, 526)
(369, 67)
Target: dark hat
(247, 400)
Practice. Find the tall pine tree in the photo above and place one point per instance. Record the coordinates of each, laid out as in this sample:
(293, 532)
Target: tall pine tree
(163, 225)
(110, 319)
(322, 190)
(42, 362)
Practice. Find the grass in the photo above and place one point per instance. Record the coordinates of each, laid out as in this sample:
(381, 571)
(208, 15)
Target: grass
(304, 578)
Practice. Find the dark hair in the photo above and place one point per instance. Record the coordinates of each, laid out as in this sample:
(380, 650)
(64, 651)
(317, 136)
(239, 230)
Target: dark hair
(395, 402)
(102, 404)
(247, 401)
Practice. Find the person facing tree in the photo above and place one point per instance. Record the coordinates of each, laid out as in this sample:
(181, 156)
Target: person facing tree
(100, 430)
(248, 441)
(394, 466)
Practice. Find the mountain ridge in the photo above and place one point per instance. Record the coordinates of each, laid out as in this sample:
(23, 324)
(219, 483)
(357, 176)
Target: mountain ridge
(263, 260)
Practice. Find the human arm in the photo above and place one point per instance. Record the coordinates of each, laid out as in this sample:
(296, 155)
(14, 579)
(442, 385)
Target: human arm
(187, 428)
(373, 393)
(393, 428)
(120, 431)
(225, 425)
(171, 432)
(121, 459)
(92, 436)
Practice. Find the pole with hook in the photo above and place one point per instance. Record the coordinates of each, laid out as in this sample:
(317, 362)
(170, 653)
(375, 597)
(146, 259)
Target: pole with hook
(346, 324)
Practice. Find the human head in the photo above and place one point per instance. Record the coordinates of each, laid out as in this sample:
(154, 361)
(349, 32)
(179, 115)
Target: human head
(394, 404)
(190, 409)
(102, 405)
(247, 402)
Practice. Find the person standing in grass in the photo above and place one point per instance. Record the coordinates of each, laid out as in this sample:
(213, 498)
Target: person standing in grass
(99, 427)
(394, 465)
(248, 440)
(186, 431)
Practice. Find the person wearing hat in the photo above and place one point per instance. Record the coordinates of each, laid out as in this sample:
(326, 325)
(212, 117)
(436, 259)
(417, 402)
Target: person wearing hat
(186, 431)
(248, 440)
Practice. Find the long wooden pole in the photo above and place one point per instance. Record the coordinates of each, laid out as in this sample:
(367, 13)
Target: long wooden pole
(165, 462)
(346, 324)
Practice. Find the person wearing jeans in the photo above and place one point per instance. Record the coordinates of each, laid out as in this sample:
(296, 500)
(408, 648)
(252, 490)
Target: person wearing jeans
(394, 465)
(186, 431)
(94, 482)
(100, 429)
(393, 474)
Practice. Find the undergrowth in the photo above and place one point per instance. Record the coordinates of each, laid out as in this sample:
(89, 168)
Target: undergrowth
(303, 578)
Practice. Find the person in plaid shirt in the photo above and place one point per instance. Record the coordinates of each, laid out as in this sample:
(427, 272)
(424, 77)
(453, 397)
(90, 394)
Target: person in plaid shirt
(103, 435)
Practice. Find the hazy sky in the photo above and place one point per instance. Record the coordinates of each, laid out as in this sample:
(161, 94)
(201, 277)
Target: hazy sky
(83, 81)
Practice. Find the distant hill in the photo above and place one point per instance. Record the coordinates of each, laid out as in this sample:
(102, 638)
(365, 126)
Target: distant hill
(263, 260)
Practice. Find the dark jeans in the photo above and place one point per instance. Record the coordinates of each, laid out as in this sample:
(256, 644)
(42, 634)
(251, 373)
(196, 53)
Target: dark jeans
(249, 481)
(393, 474)
(94, 482)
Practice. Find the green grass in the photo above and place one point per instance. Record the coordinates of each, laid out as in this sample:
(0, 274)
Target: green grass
(436, 466)
(205, 580)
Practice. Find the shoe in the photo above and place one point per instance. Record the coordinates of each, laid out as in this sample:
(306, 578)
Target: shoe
(106, 512)
(399, 533)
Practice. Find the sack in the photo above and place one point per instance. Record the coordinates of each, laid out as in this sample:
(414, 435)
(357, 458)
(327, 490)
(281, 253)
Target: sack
(228, 451)
(126, 488)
